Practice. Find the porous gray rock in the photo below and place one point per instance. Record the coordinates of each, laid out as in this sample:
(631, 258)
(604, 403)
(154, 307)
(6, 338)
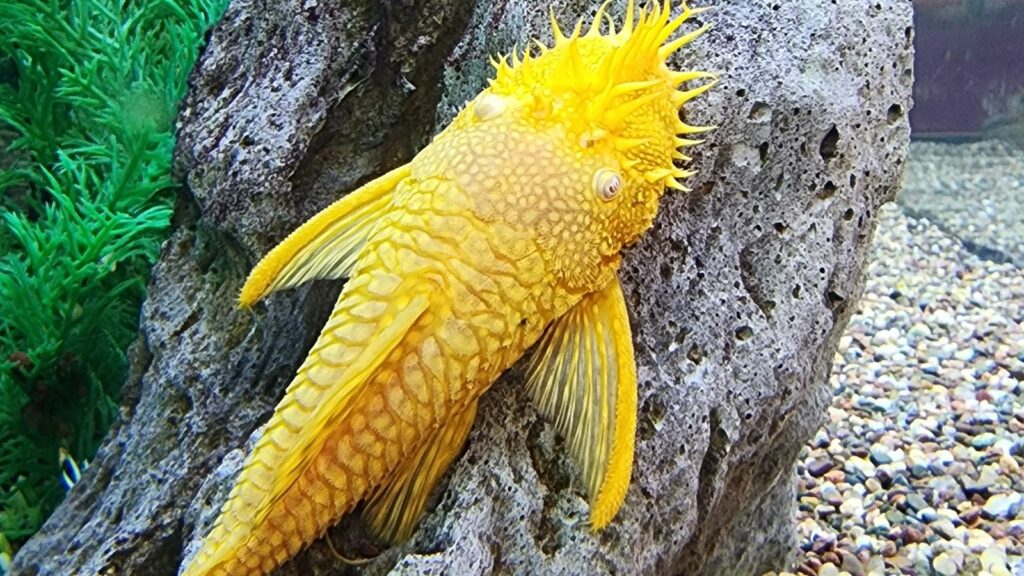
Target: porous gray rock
(737, 296)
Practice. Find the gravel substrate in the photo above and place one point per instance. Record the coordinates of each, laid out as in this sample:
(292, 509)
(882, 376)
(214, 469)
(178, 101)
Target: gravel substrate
(972, 191)
(918, 468)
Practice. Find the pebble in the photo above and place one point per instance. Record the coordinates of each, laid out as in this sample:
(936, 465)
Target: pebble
(984, 440)
(927, 514)
(912, 535)
(880, 454)
(860, 466)
(993, 559)
(918, 468)
(979, 540)
(819, 467)
(980, 486)
(828, 569)
(1002, 505)
(945, 565)
(916, 501)
(943, 527)
(852, 507)
(873, 485)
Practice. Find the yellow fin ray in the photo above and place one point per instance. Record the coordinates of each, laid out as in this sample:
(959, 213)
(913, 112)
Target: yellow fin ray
(327, 245)
(394, 511)
(583, 377)
(681, 97)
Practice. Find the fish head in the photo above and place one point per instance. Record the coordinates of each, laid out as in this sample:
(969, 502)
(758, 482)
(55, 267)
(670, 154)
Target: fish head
(579, 140)
(615, 103)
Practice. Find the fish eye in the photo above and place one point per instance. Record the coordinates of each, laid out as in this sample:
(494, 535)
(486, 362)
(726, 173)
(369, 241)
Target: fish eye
(607, 184)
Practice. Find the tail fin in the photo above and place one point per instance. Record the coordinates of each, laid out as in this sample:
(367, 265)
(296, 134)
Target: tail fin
(329, 381)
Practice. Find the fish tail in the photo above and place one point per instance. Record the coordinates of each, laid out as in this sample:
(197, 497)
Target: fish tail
(307, 469)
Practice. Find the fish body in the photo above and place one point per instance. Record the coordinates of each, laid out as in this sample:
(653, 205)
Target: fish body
(502, 233)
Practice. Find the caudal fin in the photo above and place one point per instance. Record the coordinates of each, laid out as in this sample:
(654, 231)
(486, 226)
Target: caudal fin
(345, 357)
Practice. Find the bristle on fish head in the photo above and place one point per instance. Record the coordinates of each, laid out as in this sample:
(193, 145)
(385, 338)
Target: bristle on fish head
(610, 88)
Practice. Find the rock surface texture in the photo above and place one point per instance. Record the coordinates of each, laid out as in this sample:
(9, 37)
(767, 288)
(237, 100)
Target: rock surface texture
(738, 295)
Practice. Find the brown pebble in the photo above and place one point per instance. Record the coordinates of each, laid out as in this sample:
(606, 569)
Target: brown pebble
(901, 563)
(851, 564)
(912, 535)
(807, 571)
(888, 549)
(830, 557)
(996, 531)
(835, 476)
(970, 517)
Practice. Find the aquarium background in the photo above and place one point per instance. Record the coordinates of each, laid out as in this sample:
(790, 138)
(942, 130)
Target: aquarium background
(918, 469)
(969, 69)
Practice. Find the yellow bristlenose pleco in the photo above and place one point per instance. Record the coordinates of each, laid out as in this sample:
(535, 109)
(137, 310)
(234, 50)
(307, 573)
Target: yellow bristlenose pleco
(504, 233)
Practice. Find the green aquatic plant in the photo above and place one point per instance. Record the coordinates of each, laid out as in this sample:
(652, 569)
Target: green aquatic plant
(89, 91)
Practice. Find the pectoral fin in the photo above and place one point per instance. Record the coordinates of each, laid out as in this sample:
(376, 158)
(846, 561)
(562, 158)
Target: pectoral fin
(327, 245)
(583, 376)
(394, 511)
